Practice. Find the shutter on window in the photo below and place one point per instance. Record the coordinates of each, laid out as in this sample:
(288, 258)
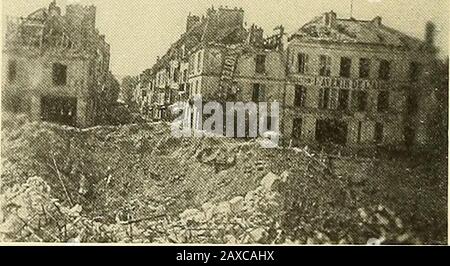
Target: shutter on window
(334, 94)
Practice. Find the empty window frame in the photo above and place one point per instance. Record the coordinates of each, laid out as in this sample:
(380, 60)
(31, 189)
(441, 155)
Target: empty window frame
(346, 67)
(364, 68)
(297, 128)
(299, 96)
(360, 100)
(59, 74)
(324, 65)
(383, 101)
(379, 133)
(260, 64)
(12, 70)
(258, 92)
(384, 71)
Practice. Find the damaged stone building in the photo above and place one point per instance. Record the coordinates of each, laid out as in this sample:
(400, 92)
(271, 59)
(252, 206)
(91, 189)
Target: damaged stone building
(358, 83)
(349, 82)
(55, 65)
(217, 58)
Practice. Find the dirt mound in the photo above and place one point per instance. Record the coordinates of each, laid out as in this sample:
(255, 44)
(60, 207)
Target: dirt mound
(138, 171)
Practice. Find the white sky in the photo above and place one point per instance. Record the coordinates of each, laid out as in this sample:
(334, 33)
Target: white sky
(141, 30)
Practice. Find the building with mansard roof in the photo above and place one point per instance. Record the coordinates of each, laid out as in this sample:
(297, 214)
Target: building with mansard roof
(358, 83)
(344, 82)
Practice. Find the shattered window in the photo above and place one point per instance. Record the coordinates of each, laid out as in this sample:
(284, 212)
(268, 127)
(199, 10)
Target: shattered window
(364, 68)
(59, 74)
(325, 66)
(346, 66)
(260, 64)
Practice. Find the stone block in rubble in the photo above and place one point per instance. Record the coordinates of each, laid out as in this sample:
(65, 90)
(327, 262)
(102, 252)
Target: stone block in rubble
(223, 208)
(230, 239)
(257, 235)
(209, 209)
(237, 204)
(250, 196)
(192, 215)
(270, 181)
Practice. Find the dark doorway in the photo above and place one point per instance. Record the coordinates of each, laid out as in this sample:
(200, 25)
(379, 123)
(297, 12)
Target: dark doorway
(61, 110)
(331, 131)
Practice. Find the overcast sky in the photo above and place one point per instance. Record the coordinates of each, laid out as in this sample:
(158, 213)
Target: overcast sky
(141, 30)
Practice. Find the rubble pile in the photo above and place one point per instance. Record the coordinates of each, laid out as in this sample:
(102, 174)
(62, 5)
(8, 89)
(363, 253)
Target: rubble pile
(137, 183)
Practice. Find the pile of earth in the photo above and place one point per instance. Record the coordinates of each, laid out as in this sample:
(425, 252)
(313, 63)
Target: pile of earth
(136, 172)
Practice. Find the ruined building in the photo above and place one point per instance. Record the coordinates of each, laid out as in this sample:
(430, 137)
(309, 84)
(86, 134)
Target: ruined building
(55, 65)
(352, 83)
(358, 83)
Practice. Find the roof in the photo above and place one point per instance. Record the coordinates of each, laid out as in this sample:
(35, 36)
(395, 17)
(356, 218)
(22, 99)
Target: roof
(356, 31)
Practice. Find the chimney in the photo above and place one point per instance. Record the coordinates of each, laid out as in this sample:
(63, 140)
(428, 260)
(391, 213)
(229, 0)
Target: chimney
(330, 19)
(191, 21)
(429, 33)
(377, 21)
(53, 9)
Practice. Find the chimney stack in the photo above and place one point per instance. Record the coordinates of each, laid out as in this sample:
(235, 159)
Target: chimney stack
(330, 19)
(429, 33)
(377, 21)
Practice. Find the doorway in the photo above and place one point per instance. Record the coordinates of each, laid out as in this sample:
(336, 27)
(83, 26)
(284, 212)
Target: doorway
(61, 110)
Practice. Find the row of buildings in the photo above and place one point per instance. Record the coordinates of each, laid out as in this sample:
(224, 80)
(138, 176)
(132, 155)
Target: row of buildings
(56, 66)
(356, 83)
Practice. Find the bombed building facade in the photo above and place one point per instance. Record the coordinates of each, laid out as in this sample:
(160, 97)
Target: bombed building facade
(359, 83)
(55, 66)
(349, 82)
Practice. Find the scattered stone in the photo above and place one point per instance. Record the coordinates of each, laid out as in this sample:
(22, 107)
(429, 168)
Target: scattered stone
(269, 181)
(192, 215)
(237, 204)
(258, 234)
(223, 208)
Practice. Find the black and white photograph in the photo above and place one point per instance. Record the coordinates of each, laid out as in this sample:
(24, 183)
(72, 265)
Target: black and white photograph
(229, 122)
